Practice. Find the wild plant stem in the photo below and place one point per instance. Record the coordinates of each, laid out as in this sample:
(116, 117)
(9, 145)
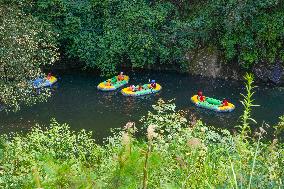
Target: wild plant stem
(247, 103)
(253, 164)
(235, 177)
(145, 169)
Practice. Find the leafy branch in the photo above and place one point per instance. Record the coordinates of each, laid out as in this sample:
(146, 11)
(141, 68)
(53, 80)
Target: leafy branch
(248, 103)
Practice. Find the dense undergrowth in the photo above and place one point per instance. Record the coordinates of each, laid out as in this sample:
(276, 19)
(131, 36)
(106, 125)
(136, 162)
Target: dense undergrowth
(176, 152)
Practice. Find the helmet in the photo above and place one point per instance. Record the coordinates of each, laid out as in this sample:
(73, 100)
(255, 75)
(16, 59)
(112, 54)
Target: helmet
(153, 81)
(121, 73)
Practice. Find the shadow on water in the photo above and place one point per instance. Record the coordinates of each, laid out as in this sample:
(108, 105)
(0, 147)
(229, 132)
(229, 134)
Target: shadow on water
(77, 101)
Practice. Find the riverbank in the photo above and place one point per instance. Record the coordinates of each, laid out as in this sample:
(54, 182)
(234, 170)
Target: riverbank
(206, 62)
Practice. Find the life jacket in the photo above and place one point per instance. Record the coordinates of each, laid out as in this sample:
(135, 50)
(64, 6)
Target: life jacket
(153, 85)
(201, 98)
(48, 76)
(120, 77)
(108, 83)
(225, 103)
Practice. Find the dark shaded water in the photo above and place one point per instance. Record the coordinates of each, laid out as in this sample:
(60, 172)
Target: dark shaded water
(76, 101)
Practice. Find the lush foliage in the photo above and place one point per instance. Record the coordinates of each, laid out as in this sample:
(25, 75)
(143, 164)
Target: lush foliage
(279, 129)
(106, 34)
(176, 153)
(111, 33)
(25, 45)
(252, 30)
(248, 32)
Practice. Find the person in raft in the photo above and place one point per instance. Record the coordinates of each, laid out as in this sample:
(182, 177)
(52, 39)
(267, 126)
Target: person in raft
(139, 87)
(108, 83)
(225, 102)
(131, 88)
(200, 96)
(120, 76)
(153, 84)
(48, 76)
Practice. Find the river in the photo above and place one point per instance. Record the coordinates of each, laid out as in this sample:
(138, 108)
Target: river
(77, 101)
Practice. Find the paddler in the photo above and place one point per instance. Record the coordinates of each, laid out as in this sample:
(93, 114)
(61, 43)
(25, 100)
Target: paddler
(108, 83)
(140, 87)
(200, 96)
(153, 84)
(49, 76)
(225, 102)
(120, 77)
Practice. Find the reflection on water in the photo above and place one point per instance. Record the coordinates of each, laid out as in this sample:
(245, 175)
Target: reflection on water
(77, 101)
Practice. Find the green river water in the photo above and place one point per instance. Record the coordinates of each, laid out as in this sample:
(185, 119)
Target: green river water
(77, 101)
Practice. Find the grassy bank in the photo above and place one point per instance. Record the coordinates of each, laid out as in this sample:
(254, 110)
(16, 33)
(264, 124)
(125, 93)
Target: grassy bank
(175, 153)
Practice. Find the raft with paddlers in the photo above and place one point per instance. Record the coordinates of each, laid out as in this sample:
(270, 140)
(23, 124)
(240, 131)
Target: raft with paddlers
(212, 103)
(44, 82)
(113, 83)
(141, 90)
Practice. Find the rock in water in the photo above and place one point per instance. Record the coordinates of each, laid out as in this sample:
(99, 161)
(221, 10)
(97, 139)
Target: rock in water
(276, 73)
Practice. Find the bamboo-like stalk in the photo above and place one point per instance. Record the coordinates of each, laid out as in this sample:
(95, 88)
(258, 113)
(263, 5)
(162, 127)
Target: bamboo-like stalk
(145, 169)
(253, 164)
(150, 135)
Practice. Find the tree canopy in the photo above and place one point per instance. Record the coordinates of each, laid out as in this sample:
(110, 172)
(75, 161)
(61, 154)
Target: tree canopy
(106, 34)
(26, 44)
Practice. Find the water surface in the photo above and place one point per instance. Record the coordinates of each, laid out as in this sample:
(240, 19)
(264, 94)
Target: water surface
(76, 101)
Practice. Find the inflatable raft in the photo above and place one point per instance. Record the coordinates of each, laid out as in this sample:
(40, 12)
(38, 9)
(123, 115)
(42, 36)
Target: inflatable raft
(212, 104)
(44, 82)
(114, 84)
(146, 89)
